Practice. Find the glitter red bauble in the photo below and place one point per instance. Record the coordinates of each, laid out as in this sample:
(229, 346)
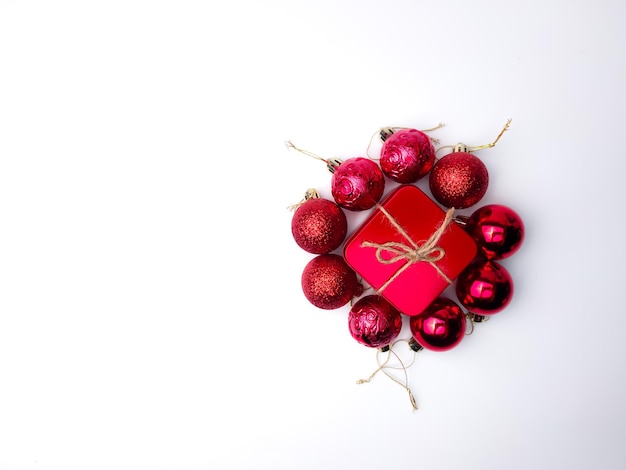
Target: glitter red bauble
(319, 226)
(374, 322)
(441, 326)
(459, 180)
(407, 155)
(329, 283)
(484, 287)
(497, 229)
(357, 184)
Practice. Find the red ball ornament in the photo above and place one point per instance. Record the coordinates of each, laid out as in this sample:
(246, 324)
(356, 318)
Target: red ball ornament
(497, 229)
(329, 283)
(319, 226)
(484, 287)
(440, 327)
(459, 180)
(406, 155)
(357, 184)
(374, 322)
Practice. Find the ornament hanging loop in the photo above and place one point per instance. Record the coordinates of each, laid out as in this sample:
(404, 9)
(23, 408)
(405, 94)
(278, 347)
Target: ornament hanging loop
(493, 144)
(385, 365)
(310, 194)
(460, 147)
(438, 126)
(474, 318)
(290, 145)
(331, 163)
(470, 318)
(385, 132)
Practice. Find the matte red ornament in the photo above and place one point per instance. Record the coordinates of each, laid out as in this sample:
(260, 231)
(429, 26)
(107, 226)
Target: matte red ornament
(459, 180)
(319, 226)
(407, 155)
(374, 322)
(498, 230)
(357, 184)
(440, 327)
(484, 287)
(329, 283)
(387, 257)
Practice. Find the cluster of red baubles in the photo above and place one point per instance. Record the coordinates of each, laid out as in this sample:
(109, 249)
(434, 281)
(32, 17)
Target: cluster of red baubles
(458, 180)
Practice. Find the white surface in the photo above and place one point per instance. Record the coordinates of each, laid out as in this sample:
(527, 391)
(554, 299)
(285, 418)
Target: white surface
(150, 311)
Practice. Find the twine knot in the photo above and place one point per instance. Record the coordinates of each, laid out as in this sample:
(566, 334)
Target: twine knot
(425, 252)
(414, 252)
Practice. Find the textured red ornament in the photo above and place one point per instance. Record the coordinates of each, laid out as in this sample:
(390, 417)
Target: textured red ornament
(319, 226)
(357, 184)
(497, 229)
(459, 180)
(440, 327)
(484, 287)
(329, 283)
(374, 322)
(407, 155)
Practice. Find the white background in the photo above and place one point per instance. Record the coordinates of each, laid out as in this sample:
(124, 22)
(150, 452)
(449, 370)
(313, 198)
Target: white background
(151, 315)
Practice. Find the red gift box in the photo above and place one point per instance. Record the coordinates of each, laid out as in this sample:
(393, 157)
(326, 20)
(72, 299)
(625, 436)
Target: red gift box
(409, 250)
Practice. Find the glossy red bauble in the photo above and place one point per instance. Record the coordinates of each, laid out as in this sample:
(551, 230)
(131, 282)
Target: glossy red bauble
(407, 155)
(374, 322)
(329, 283)
(441, 326)
(497, 229)
(484, 287)
(357, 184)
(459, 180)
(319, 226)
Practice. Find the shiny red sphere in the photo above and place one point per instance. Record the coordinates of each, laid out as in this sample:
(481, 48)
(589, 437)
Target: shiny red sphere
(484, 287)
(440, 327)
(497, 230)
(357, 184)
(407, 155)
(319, 226)
(459, 180)
(329, 283)
(374, 322)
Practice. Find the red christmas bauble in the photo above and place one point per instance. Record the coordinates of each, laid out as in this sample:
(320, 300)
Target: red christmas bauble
(357, 184)
(319, 226)
(497, 229)
(459, 180)
(329, 283)
(441, 326)
(374, 322)
(407, 155)
(484, 287)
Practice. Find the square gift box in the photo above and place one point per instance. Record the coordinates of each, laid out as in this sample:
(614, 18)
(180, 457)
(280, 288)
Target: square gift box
(393, 251)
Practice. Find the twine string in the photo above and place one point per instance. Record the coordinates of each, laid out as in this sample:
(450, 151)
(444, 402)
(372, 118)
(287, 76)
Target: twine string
(311, 193)
(369, 145)
(467, 148)
(380, 367)
(384, 368)
(290, 145)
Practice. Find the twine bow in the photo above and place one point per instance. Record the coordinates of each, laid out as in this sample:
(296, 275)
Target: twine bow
(415, 252)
